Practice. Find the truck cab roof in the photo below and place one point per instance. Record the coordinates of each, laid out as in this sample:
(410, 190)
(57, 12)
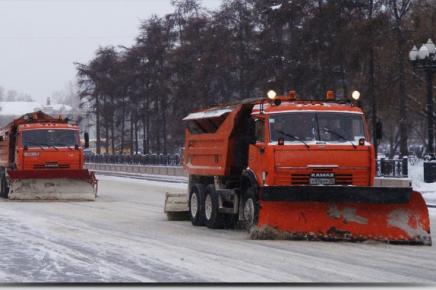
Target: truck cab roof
(288, 106)
(270, 107)
(46, 126)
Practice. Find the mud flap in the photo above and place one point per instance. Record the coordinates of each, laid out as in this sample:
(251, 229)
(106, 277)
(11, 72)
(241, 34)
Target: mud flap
(176, 206)
(402, 222)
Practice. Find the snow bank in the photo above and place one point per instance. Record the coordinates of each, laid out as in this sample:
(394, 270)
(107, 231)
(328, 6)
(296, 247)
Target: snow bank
(428, 190)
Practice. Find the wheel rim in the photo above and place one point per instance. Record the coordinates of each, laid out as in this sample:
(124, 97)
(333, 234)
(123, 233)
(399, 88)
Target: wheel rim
(249, 211)
(208, 207)
(194, 204)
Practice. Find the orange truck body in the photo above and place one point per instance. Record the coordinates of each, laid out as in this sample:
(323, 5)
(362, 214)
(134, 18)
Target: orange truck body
(20, 162)
(220, 161)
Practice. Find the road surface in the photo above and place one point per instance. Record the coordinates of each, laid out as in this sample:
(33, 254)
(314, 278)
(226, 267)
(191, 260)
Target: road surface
(125, 237)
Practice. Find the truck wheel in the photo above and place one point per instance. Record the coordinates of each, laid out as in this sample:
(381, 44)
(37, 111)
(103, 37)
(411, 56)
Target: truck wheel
(213, 219)
(196, 205)
(251, 208)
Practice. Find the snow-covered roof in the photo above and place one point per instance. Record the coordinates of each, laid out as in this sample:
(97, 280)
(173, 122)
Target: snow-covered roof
(21, 108)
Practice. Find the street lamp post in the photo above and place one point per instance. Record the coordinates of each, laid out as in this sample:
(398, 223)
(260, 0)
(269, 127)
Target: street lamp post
(425, 59)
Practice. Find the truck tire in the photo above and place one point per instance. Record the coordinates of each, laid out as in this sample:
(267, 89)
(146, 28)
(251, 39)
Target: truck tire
(250, 208)
(196, 204)
(213, 219)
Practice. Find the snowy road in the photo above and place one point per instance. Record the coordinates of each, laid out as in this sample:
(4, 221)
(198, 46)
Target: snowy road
(125, 237)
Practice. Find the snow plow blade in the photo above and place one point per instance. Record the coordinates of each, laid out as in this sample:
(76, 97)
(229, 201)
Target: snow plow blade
(176, 206)
(395, 215)
(52, 185)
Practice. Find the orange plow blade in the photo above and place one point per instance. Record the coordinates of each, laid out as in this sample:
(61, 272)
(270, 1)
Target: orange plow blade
(403, 220)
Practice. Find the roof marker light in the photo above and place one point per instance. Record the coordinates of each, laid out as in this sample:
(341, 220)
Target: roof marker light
(271, 94)
(355, 95)
(330, 95)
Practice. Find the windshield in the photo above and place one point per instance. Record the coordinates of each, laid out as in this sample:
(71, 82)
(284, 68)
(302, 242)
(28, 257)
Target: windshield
(316, 126)
(51, 137)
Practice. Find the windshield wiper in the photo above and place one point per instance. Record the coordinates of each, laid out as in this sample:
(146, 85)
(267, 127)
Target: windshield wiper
(41, 145)
(339, 135)
(292, 137)
(31, 144)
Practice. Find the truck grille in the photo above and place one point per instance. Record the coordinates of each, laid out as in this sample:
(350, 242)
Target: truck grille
(51, 166)
(303, 179)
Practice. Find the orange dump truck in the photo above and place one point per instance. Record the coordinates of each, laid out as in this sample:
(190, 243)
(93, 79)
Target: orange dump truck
(301, 167)
(41, 158)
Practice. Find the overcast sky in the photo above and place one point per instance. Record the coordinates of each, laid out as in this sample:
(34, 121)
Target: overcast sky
(40, 39)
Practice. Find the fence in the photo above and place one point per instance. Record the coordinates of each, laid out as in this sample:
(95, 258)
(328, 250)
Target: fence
(385, 167)
(147, 159)
(392, 167)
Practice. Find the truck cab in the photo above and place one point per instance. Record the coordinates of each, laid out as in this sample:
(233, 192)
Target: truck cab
(41, 158)
(311, 143)
(45, 146)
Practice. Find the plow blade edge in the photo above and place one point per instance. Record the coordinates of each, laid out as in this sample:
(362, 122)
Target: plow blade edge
(397, 215)
(52, 185)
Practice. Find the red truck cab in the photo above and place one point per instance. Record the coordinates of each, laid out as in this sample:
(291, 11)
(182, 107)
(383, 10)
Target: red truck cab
(311, 143)
(41, 158)
(43, 146)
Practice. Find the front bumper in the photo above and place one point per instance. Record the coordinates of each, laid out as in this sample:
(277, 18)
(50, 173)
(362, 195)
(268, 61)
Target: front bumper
(355, 194)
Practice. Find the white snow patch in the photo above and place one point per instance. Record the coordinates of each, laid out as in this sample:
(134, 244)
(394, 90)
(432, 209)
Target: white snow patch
(208, 114)
(428, 190)
(177, 186)
(276, 7)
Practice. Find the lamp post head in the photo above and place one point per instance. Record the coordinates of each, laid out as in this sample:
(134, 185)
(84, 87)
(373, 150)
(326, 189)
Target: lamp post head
(423, 52)
(430, 46)
(413, 54)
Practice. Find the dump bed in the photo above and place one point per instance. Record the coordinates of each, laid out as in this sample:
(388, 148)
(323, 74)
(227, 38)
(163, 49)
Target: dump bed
(216, 140)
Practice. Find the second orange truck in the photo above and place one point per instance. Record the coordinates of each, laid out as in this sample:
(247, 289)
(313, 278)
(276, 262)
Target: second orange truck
(301, 167)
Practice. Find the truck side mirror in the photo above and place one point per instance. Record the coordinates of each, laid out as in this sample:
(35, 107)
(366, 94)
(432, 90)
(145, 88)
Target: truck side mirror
(86, 137)
(379, 130)
(259, 130)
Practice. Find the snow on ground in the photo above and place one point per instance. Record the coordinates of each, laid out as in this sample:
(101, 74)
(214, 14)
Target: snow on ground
(428, 190)
(124, 237)
(136, 180)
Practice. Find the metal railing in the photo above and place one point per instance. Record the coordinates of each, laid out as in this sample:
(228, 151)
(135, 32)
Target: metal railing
(393, 167)
(147, 159)
(385, 167)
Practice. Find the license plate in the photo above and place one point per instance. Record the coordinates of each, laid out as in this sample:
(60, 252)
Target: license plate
(322, 179)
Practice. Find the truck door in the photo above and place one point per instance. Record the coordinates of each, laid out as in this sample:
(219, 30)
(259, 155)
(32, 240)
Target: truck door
(257, 150)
